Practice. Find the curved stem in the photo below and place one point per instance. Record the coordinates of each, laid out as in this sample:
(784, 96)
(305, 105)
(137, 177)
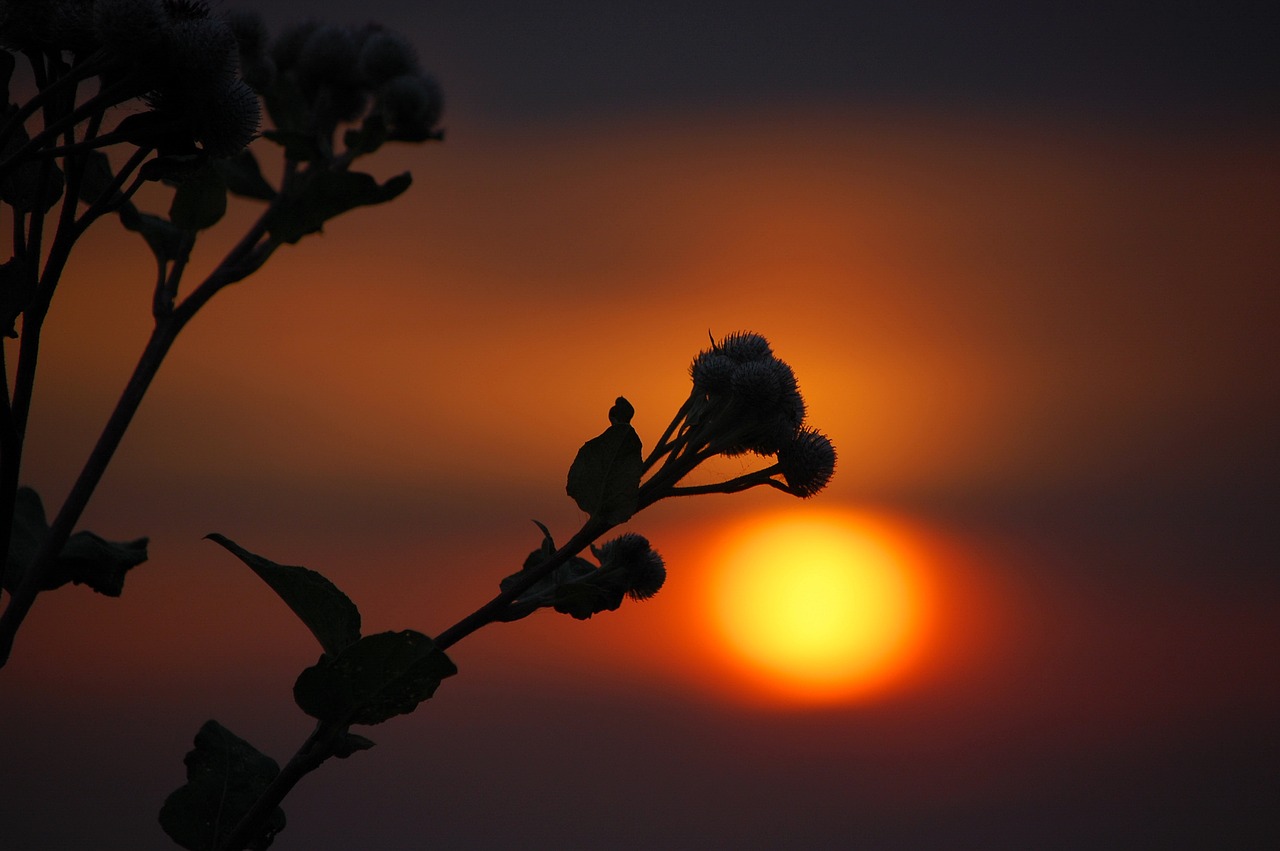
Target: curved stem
(246, 253)
(311, 755)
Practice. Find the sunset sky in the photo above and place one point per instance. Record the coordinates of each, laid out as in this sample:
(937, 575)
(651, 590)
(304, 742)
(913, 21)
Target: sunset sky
(1023, 259)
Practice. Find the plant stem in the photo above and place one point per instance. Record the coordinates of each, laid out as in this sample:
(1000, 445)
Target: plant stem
(314, 751)
(489, 612)
(244, 255)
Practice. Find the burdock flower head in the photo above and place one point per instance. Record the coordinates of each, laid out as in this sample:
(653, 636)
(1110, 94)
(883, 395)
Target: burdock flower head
(629, 568)
(744, 400)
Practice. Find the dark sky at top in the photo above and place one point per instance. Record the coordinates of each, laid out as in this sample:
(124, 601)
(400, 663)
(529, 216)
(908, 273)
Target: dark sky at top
(1130, 60)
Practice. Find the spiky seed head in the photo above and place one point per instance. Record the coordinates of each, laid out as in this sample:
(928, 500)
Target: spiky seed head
(711, 372)
(808, 462)
(744, 347)
(202, 55)
(232, 117)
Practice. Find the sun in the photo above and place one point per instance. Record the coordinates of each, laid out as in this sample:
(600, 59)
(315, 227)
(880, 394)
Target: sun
(818, 607)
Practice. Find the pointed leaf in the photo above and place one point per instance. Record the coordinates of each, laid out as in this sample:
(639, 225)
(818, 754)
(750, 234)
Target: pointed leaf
(200, 200)
(225, 776)
(378, 677)
(330, 615)
(166, 241)
(604, 479)
(97, 177)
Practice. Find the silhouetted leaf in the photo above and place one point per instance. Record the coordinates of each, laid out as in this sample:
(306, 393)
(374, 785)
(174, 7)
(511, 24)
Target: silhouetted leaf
(244, 177)
(592, 594)
(7, 64)
(172, 168)
(17, 286)
(330, 615)
(349, 743)
(86, 558)
(33, 184)
(200, 199)
(325, 194)
(371, 135)
(164, 239)
(97, 177)
(378, 677)
(29, 529)
(152, 129)
(604, 479)
(225, 776)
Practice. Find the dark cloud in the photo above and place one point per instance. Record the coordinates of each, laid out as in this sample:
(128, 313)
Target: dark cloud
(515, 60)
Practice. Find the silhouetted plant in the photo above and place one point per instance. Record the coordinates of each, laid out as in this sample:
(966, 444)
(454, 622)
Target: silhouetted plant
(333, 95)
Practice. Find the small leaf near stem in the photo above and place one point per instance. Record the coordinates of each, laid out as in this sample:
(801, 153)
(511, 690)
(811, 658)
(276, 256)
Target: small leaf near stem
(604, 479)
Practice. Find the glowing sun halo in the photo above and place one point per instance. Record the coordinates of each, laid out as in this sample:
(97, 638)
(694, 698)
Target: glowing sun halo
(818, 606)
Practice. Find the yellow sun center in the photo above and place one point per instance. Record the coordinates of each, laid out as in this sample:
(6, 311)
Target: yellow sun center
(821, 606)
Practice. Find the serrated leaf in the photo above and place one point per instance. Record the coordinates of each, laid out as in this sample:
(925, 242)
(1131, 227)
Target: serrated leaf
(604, 479)
(86, 558)
(325, 194)
(244, 177)
(330, 615)
(225, 776)
(378, 677)
(200, 199)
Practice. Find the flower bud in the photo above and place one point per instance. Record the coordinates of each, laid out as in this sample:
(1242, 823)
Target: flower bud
(807, 462)
(385, 56)
(630, 555)
(288, 44)
(411, 105)
(711, 372)
(328, 56)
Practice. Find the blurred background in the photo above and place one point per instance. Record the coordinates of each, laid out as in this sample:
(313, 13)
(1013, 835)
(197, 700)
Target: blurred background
(1024, 261)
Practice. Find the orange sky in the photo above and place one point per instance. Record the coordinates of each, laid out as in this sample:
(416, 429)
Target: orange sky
(981, 311)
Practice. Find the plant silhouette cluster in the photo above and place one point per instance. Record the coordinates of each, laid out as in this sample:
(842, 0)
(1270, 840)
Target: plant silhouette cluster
(184, 92)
